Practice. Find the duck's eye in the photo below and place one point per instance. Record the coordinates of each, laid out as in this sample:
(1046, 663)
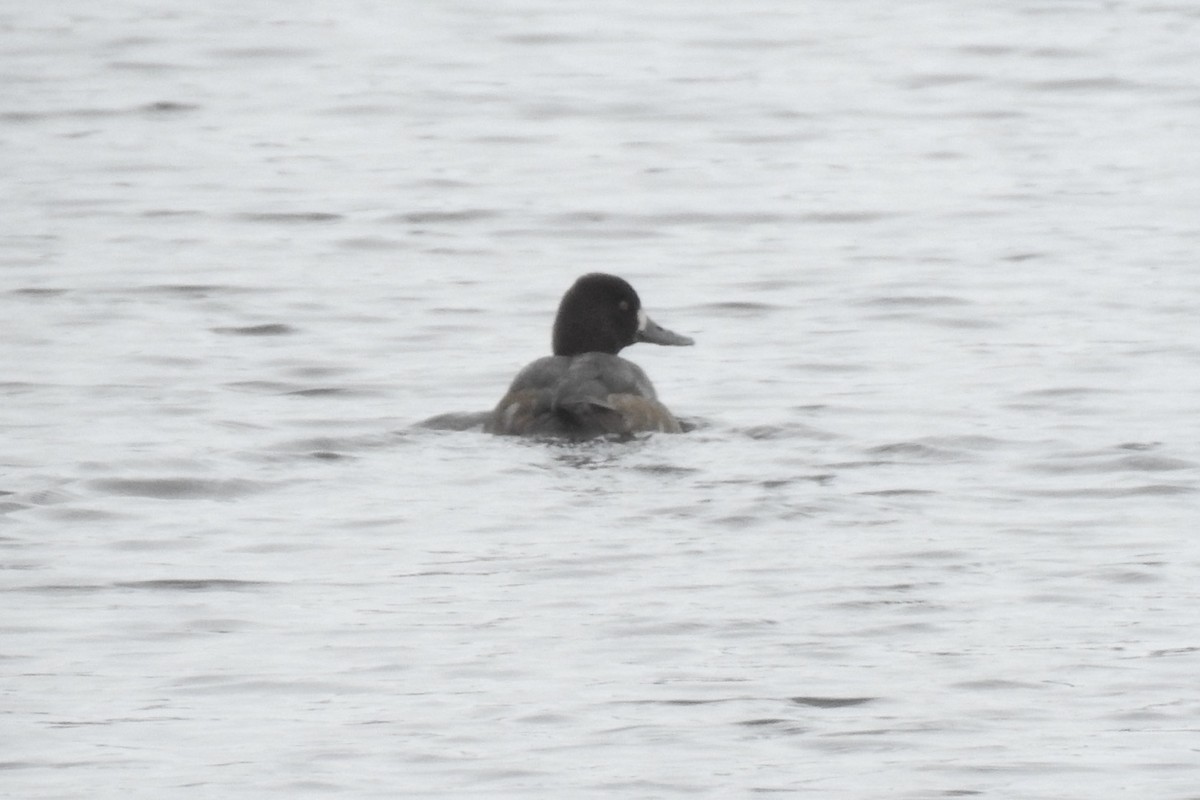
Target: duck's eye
(623, 305)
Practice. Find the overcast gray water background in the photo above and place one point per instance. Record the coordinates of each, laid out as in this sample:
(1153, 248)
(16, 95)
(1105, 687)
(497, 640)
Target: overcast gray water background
(935, 534)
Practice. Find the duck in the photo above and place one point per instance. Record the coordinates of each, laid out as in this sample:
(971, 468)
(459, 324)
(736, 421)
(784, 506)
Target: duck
(585, 389)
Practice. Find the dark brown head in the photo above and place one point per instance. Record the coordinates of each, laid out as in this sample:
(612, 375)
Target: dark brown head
(603, 314)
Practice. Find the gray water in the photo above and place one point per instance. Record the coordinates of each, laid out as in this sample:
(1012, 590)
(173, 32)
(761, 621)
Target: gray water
(935, 532)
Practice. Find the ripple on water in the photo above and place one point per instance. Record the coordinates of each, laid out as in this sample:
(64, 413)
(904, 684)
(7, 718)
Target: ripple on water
(916, 451)
(789, 430)
(733, 309)
(288, 217)
(1058, 397)
(158, 107)
(334, 391)
(192, 585)
(1105, 492)
(1108, 463)
(266, 329)
(444, 217)
(1133, 462)
(915, 301)
(831, 702)
(381, 243)
(325, 448)
(297, 390)
(655, 221)
(263, 52)
(155, 584)
(191, 290)
(1102, 83)
(40, 291)
(177, 488)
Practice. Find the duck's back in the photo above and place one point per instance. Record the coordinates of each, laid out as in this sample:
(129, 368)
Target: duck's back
(580, 397)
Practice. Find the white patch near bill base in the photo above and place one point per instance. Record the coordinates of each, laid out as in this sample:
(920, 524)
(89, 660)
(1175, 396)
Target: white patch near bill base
(642, 319)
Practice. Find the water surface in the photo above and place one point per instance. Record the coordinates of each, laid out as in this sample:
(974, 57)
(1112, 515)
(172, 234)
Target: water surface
(933, 535)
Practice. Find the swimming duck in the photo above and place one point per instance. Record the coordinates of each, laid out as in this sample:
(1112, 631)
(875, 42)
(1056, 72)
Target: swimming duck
(585, 389)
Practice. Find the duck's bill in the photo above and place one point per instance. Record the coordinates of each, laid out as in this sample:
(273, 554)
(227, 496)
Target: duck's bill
(650, 331)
